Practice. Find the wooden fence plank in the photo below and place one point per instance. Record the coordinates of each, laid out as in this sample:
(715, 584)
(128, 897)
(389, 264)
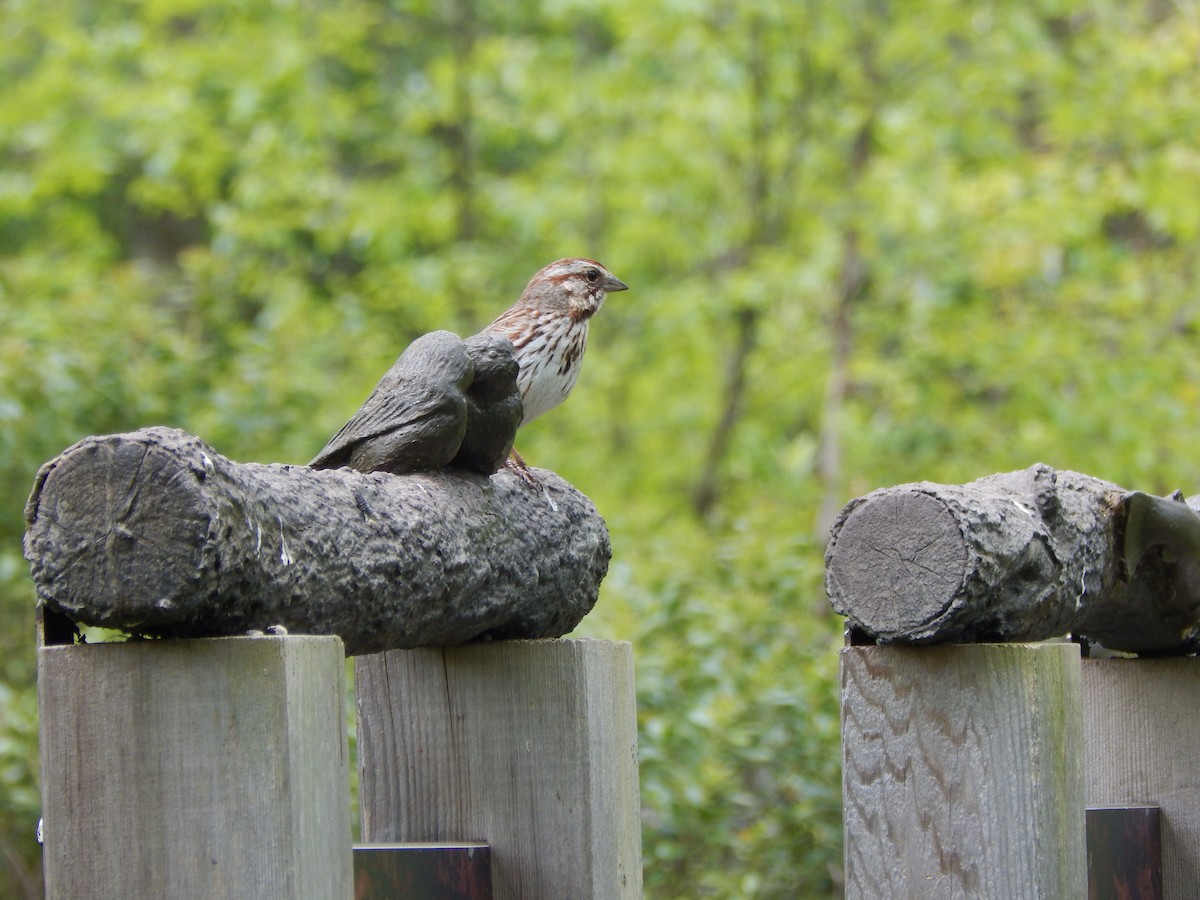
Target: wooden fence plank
(210, 768)
(963, 772)
(1142, 729)
(530, 746)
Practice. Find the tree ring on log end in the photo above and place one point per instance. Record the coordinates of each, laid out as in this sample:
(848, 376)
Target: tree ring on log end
(127, 523)
(897, 588)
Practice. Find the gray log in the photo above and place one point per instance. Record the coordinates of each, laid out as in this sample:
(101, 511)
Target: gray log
(1019, 556)
(155, 533)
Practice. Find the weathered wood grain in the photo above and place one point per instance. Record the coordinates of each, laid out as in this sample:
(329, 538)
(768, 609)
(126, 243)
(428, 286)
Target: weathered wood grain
(1142, 745)
(210, 768)
(1020, 556)
(155, 533)
(530, 746)
(962, 772)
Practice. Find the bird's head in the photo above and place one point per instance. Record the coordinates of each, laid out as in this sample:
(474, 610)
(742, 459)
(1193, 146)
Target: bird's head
(494, 361)
(576, 285)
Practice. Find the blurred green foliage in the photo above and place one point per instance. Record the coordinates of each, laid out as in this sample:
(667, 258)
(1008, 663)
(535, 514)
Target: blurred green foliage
(868, 243)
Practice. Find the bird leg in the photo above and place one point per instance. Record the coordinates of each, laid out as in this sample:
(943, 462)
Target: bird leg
(517, 465)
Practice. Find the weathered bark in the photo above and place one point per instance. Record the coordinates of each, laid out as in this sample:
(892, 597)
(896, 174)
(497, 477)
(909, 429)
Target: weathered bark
(1017, 557)
(155, 533)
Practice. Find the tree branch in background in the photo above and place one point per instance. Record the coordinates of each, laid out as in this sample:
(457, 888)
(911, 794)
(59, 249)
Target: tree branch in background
(461, 134)
(852, 287)
(746, 320)
(745, 317)
(829, 440)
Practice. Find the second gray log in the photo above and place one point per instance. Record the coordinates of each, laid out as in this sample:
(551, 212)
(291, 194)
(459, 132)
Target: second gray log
(1019, 556)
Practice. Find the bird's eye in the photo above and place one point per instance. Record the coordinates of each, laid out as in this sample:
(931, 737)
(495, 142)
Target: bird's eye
(592, 275)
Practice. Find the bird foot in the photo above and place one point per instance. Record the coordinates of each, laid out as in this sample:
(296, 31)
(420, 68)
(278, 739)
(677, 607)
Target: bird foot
(517, 465)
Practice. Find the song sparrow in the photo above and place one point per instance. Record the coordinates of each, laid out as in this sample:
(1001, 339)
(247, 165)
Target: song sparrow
(548, 327)
(415, 418)
(451, 402)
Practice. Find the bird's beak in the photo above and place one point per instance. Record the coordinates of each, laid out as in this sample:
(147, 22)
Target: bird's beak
(613, 283)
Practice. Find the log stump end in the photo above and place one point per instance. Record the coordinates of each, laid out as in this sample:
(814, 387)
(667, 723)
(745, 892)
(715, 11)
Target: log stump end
(895, 589)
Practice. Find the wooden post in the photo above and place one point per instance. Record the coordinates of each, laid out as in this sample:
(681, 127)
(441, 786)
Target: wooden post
(209, 768)
(1142, 728)
(963, 772)
(530, 746)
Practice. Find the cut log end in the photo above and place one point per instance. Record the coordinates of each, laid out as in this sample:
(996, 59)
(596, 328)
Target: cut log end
(895, 589)
(118, 520)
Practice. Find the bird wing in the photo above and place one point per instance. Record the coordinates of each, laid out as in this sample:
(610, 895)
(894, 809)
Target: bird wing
(425, 384)
(392, 405)
(514, 324)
